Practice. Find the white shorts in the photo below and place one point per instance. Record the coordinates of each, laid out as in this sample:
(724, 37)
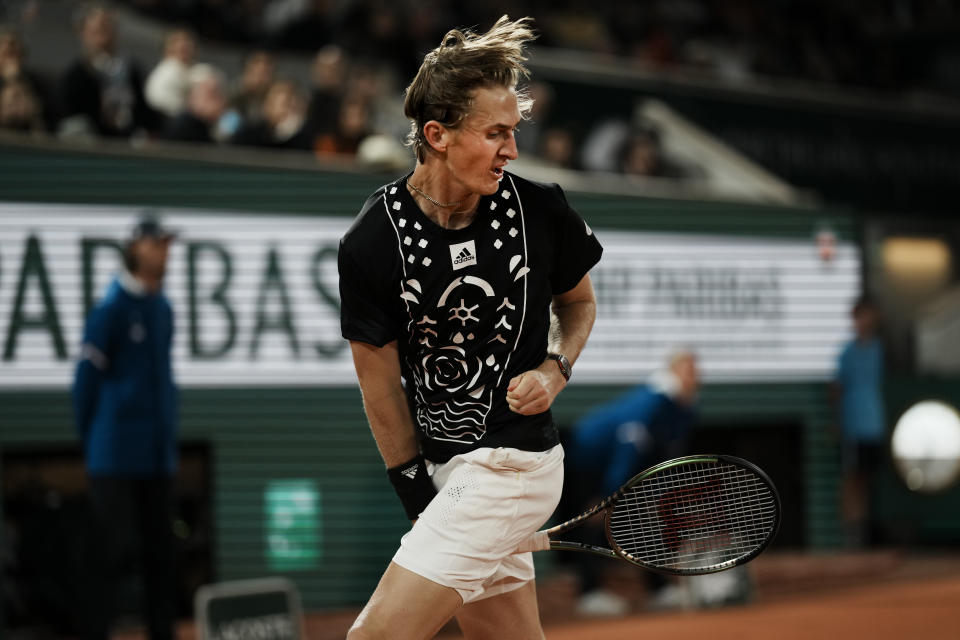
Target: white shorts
(488, 501)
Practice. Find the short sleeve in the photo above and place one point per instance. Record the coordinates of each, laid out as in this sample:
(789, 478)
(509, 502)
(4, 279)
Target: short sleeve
(576, 249)
(364, 305)
(842, 373)
(97, 337)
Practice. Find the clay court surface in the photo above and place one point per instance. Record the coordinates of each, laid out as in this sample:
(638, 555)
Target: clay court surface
(915, 609)
(878, 595)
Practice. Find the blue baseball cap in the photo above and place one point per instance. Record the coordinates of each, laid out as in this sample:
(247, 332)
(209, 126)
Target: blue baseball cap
(149, 226)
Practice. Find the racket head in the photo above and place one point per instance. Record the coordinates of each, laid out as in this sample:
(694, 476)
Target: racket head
(694, 515)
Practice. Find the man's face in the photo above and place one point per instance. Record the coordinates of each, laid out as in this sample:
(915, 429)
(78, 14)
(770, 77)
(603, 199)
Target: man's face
(281, 102)
(181, 46)
(482, 145)
(685, 369)
(354, 118)
(258, 73)
(17, 105)
(865, 322)
(208, 100)
(10, 48)
(151, 256)
(98, 32)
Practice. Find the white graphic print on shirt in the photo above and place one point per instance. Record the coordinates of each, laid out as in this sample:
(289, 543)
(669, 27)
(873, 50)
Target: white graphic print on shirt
(465, 317)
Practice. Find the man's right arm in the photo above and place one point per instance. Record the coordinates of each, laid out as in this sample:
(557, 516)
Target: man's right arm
(94, 363)
(385, 402)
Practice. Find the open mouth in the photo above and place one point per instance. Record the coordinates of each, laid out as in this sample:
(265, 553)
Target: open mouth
(498, 172)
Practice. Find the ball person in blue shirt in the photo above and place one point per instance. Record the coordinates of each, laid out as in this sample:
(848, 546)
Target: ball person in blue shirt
(858, 387)
(125, 410)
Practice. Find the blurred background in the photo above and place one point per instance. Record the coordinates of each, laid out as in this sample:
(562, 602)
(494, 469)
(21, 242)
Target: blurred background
(752, 169)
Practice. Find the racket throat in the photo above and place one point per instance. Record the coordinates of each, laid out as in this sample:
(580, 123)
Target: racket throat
(560, 545)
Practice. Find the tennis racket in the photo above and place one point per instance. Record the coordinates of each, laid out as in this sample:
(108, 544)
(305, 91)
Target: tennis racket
(686, 516)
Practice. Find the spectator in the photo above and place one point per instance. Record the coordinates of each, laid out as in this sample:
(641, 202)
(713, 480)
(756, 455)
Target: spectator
(329, 74)
(102, 91)
(284, 124)
(167, 84)
(13, 69)
(614, 442)
(125, 408)
(353, 125)
(602, 145)
(19, 108)
(859, 388)
(557, 148)
(377, 89)
(255, 80)
(530, 133)
(204, 116)
(642, 155)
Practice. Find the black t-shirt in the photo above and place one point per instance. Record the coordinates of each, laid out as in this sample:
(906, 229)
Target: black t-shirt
(470, 308)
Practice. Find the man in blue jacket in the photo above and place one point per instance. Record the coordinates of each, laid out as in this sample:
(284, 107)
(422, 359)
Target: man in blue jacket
(612, 443)
(125, 408)
(858, 388)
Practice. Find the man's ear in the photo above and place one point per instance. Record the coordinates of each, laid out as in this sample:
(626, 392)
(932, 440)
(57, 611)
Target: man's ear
(436, 135)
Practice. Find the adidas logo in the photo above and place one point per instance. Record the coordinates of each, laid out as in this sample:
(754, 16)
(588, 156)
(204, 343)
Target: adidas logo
(463, 254)
(411, 472)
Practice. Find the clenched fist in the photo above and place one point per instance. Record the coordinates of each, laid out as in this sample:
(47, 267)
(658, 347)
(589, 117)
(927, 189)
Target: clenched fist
(533, 391)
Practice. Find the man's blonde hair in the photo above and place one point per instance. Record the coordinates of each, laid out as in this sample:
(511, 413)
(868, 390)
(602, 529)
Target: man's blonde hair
(443, 88)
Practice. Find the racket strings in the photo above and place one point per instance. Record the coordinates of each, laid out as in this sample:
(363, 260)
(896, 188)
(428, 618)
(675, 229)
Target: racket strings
(697, 516)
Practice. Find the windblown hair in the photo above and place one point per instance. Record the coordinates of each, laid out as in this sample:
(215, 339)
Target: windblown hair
(443, 88)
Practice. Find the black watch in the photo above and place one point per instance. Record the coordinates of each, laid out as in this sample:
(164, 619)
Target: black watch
(563, 363)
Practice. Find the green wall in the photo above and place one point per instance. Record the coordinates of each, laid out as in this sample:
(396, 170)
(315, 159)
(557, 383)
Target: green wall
(321, 434)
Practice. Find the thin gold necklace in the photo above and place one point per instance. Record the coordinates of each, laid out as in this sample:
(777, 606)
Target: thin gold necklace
(442, 205)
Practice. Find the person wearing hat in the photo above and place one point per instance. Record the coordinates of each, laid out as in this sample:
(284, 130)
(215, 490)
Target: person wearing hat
(125, 410)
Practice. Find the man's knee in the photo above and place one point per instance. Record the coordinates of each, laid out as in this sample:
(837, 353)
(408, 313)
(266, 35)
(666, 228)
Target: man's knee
(370, 626)
(362, 631)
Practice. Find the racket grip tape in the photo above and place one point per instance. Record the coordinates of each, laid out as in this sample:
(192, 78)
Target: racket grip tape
(538, 541)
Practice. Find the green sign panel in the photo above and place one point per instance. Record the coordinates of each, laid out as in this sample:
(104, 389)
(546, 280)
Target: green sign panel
(293, 532)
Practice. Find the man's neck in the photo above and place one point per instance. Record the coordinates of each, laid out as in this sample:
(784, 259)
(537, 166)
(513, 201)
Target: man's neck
(139, 284)
(440, 188)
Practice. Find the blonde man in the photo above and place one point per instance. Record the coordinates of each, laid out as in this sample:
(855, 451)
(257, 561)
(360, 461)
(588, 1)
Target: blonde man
(466, 299)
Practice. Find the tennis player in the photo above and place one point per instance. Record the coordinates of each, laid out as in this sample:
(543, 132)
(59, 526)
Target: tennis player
(466, 298)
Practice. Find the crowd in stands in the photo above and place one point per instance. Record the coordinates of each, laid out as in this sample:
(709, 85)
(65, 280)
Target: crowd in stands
(364, 51)
(866, 43)
(104, 93)
(349, 102)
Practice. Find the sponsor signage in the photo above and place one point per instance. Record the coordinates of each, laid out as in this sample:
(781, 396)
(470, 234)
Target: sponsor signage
(257, 304)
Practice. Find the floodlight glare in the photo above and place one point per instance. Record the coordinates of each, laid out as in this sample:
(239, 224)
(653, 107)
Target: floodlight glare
(926, 446)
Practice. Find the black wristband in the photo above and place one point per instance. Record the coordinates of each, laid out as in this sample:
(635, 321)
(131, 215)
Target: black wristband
(413, 485)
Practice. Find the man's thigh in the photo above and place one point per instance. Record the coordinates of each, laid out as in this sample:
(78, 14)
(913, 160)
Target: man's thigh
(405, 606)
(513, 615)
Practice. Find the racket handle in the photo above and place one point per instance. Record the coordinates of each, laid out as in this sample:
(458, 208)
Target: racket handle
(538, 541)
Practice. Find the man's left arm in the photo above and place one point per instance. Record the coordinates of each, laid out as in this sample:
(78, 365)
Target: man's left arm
(571, 320)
